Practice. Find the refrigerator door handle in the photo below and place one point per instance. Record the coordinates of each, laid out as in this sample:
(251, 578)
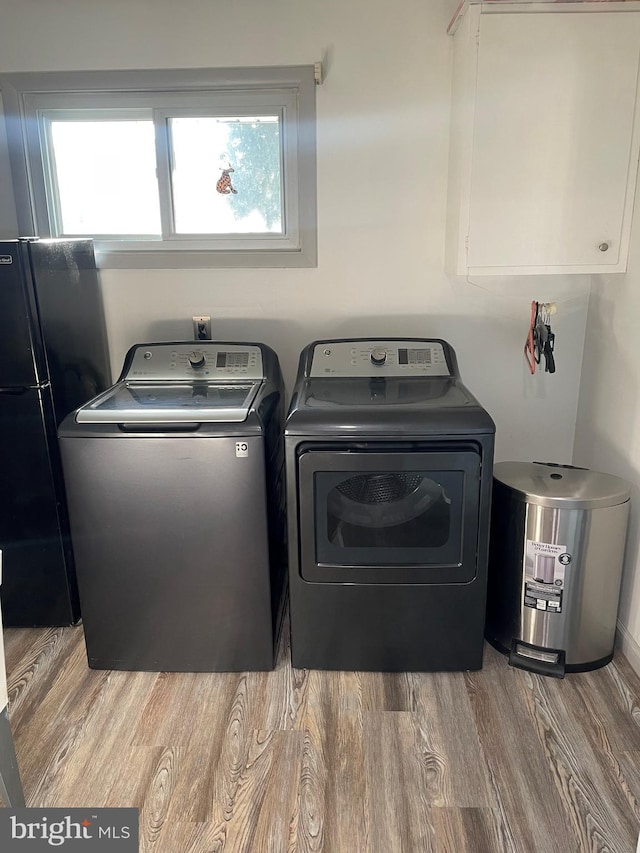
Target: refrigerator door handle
(22, 389)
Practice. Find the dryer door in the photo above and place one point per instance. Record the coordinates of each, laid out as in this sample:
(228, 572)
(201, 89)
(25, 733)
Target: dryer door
(397, 516)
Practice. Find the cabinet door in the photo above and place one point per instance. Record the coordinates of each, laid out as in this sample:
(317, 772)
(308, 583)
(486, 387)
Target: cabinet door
(553, 176)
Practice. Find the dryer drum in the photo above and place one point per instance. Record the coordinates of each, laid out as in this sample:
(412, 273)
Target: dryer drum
(379, 488)
(389, 509)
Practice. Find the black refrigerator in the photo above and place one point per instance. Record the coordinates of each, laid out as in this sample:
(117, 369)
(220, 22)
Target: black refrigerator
(53, 358)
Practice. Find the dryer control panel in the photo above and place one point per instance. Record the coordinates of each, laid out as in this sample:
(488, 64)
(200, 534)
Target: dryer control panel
(378, 358)
(206, 360)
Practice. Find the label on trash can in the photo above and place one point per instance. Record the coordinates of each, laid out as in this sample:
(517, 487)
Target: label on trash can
(545, 565)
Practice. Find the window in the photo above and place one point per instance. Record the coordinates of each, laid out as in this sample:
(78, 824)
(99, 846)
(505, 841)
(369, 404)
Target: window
(174, 169)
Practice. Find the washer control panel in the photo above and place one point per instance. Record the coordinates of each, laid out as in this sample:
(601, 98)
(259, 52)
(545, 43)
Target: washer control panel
(378, 358)
(207, 360)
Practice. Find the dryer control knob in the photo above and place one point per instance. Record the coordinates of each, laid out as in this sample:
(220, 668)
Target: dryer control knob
(196, 358)
(378, 356)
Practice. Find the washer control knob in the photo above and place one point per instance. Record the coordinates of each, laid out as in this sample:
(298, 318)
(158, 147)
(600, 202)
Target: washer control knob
(378, 356)
(196, 358)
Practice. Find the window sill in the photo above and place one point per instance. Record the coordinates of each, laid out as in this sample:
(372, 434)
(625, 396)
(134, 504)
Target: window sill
(172, 258)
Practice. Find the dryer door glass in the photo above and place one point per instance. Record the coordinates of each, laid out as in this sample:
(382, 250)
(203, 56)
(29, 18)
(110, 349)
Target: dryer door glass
(417, 514)
(372, 517)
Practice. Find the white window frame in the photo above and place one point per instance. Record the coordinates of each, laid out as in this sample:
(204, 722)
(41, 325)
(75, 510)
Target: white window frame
(32, 101)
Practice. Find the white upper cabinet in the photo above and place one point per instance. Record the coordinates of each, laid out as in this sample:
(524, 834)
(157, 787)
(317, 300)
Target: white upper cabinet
(545, 134)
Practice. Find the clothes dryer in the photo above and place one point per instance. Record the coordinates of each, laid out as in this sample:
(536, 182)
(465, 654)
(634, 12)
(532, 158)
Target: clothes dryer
(176, 498)
(389, 461)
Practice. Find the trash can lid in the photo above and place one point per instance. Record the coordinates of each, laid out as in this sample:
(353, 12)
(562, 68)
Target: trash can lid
(561, 486)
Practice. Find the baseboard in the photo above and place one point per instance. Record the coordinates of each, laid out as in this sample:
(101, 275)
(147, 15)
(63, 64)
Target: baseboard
(628, 646)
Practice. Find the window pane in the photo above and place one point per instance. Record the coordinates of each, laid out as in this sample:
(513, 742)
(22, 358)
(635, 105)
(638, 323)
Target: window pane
(226, 175)
(106, 177)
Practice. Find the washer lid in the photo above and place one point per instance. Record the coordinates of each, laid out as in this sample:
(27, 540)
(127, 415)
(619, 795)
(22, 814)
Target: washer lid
(179, 402)
(561, 486)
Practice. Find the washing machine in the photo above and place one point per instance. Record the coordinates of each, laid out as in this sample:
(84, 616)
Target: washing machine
(175, 483)
(389, 461)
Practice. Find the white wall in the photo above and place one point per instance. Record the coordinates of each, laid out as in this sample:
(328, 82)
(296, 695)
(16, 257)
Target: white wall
(608, 425)
(383, 116)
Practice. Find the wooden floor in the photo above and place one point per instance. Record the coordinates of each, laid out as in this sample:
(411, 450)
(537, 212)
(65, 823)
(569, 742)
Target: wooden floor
(498, 760)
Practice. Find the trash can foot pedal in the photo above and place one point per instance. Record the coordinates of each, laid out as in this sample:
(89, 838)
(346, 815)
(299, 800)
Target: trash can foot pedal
(538, 659)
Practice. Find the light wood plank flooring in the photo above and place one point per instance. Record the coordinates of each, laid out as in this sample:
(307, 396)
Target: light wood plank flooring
(294, 761)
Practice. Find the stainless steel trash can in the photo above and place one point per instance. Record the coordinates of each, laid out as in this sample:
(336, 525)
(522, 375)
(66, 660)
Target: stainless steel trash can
(555, 565)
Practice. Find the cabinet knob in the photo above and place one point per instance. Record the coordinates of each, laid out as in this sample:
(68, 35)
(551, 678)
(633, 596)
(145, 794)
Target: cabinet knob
(603, 247)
